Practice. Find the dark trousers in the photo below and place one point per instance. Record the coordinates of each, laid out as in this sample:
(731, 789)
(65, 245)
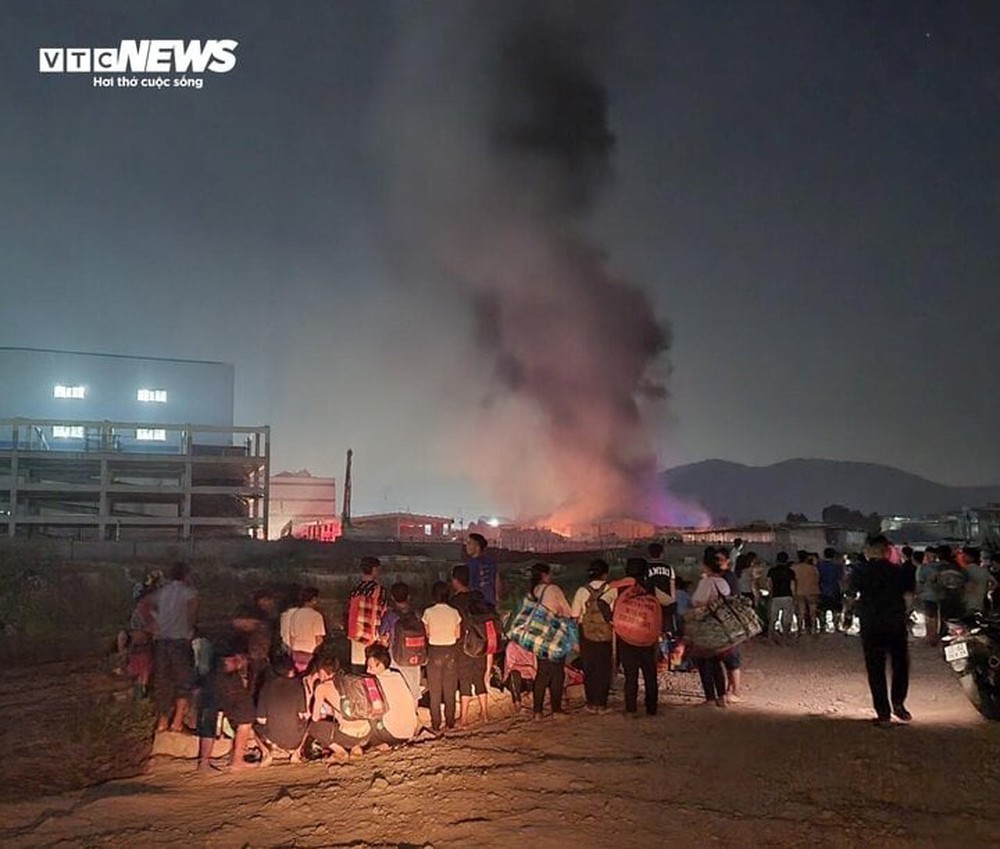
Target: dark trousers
(713, 677)
(442, 682)
(595, 658)
(517, 686)
(551, 676)
(876, 646)
(949, 609)
(671, 621)
(634, 659)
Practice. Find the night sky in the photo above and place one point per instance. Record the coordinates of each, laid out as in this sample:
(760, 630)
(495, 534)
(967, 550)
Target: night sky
(808, 193)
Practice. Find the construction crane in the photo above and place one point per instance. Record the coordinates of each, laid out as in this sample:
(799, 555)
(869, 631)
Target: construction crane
(345, 513)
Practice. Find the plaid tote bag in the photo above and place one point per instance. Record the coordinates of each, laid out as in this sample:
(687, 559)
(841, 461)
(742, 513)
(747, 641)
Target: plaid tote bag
(547, 636)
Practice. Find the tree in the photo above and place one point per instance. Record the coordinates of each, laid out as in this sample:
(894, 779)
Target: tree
(838, 514)
(796, 518)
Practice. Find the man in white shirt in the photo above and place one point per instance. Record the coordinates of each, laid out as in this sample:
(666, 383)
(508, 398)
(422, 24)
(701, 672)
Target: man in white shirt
(444, 627)
(175, 607)
(303, 628)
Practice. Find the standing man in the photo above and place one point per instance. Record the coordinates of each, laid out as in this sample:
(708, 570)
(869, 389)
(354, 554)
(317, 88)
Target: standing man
(175, 609)
(471, 670)
(483, 573)
(781, 582)
(909, 566)
(831, 596)
(663, 582)
(444, 628)
(592, 607)
(881, 588)
(400, 611)
(929, 594)
(806, 592)
(484, 577)
(365, 609)
(979, 580)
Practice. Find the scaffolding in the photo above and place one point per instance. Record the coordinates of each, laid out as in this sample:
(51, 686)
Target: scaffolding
(129, 480)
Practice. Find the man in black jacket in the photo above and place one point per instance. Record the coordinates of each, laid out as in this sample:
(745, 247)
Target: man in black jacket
(882, 588)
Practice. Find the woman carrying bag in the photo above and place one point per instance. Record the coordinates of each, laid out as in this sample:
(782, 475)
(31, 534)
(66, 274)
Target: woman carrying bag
(544, 625)
(713, 675)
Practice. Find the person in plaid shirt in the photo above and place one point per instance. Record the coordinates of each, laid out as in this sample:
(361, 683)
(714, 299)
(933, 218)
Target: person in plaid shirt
(365, 610)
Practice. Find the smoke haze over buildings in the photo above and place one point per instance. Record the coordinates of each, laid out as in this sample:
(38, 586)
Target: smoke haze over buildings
(499, 146)
(807, 191)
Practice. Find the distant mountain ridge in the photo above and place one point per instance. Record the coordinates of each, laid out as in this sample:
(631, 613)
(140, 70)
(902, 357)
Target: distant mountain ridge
(742, 493)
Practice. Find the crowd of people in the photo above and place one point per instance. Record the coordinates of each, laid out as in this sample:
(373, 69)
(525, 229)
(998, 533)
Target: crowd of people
(814, 594)
(282, 684)
(887, 589)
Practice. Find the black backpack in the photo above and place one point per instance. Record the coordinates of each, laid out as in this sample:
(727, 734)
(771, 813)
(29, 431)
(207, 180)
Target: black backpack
(409, 640)
(482, 629)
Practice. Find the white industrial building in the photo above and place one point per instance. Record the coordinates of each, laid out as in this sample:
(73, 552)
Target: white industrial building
(108, 447)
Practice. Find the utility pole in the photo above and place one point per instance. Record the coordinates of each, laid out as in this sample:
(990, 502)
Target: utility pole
(345, 513)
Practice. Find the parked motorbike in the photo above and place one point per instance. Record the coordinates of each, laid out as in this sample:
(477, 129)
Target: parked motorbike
(972, 648)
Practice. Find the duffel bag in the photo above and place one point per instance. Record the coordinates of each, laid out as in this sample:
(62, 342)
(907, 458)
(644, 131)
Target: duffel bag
(720, 625)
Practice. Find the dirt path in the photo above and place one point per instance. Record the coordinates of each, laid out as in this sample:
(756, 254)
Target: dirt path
(796, 764)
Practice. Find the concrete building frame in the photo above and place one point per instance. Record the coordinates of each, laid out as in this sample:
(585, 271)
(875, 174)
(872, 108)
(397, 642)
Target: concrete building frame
(203, 480)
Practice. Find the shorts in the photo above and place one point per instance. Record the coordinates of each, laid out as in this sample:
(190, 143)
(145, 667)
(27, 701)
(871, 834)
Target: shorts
(139, 654)
(327, 733)
(235, 701)
(239, 711)
(471, 674)
(173, 670)
(733, 659)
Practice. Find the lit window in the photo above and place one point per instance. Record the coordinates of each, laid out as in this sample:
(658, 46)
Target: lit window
(67, 431)
(61, 391)
(158, 396)
(149, 434)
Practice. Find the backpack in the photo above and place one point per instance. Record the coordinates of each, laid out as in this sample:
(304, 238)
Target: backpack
(638, 617)
(409, 640)
(952, 582)
(481, 630)
(595, 624)
(361, 696)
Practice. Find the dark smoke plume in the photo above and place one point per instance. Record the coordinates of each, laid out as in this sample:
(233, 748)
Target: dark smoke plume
(498, 141)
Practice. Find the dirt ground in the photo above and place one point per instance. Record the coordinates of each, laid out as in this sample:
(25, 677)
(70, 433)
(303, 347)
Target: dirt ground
(796, 763)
